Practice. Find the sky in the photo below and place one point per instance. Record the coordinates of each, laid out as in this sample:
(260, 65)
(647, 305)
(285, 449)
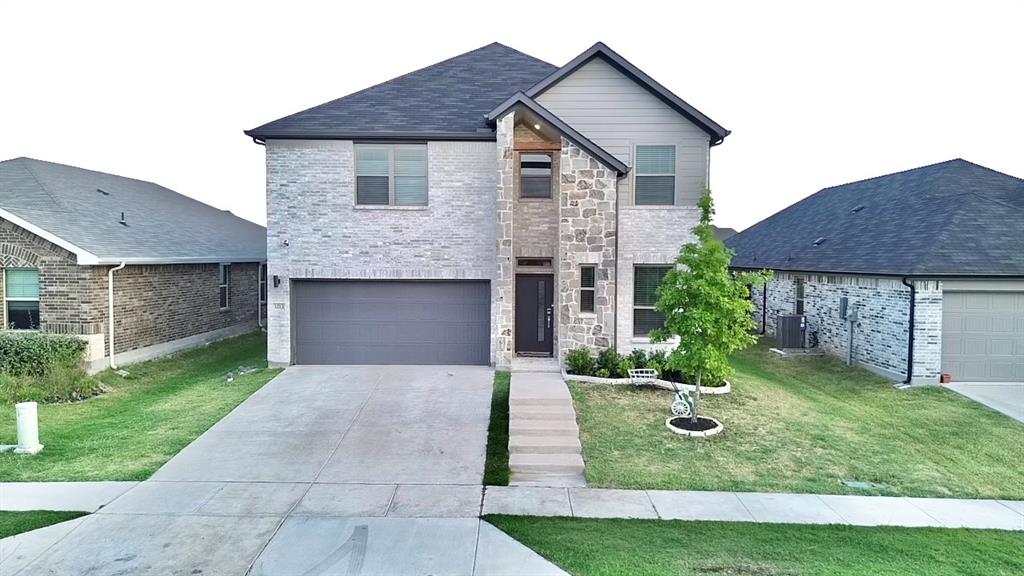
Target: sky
(815, 93)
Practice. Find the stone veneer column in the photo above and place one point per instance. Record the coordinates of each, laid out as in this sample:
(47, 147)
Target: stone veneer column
(503, 283)
(586, 235)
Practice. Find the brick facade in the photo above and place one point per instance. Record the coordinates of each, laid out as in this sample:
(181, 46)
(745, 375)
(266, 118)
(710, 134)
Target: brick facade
(879, 337)
(153, 304)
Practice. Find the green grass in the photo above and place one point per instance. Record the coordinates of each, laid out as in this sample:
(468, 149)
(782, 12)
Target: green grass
(804, 425)
(143, 420)
(592, 547)
(496, 465)
(12, 523)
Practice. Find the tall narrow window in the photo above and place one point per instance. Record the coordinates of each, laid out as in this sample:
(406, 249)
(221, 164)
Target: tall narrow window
(225, 286)
(587, 285)
(263, 283)
(391, 174)
(799, 295)
(21, 298)
(646, 280)
(535, 176)
(655, 179)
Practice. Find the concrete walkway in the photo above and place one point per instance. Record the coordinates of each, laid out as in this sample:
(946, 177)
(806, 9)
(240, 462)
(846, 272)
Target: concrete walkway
(544, 439)
(755, 507)
(61, 496)
(1007, 397)
(325, 470)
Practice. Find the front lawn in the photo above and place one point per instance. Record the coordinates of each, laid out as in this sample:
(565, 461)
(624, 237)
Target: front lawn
(592, 547)
(12, 523)
(143, 420)
(496, 465)
(804, 425)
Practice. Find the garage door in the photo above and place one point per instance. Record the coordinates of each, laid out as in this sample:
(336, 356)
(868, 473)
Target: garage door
(392, 322)
(983, 336)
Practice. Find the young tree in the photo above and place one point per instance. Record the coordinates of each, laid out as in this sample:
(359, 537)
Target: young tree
(706, 306)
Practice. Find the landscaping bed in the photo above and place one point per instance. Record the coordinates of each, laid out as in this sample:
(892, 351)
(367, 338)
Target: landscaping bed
(803, 425)
(593, 547)
(141, 421)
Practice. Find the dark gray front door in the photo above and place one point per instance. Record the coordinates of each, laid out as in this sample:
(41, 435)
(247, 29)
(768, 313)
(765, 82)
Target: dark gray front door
(391, 322)
(534, 310)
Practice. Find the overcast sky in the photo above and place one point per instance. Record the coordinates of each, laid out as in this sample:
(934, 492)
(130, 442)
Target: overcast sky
(814, 94)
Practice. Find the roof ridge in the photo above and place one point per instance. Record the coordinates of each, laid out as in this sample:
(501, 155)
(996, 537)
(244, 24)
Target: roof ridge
(399, 77)
(894, 173)
(72, 166)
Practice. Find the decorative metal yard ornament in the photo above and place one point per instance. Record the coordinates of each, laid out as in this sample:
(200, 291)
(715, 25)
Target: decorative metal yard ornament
(682, 404)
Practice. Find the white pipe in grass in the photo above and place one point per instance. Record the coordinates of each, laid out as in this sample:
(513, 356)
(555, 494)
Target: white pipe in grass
(28, 428)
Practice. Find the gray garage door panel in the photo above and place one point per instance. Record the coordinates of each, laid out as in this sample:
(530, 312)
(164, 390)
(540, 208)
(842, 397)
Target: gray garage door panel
(364, 322)
(983, 336)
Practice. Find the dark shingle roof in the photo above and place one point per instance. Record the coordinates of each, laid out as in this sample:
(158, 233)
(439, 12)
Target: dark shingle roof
(954, 218)
(448, 99)
(162, 225)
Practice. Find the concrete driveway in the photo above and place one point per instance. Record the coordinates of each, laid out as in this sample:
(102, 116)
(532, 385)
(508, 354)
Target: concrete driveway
(325, 470)
(1005, 397)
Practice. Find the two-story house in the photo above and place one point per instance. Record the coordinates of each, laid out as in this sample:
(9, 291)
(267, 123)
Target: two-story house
(487, 206)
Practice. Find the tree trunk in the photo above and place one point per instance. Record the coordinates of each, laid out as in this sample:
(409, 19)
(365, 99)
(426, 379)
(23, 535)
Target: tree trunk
(696, 398)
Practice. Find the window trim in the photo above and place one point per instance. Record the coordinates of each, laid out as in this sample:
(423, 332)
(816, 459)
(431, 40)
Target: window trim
(6, 299)
(392, 202)
(674, 175)
(224, 283)
(668, 267)
(550, 177)
(592, 289)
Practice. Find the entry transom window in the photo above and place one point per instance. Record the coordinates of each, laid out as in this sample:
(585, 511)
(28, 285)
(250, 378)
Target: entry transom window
(646, 280)
(535, 176)
(655, 175)
(391, 174)
(587, 284)
(21, 298)
(224, 277)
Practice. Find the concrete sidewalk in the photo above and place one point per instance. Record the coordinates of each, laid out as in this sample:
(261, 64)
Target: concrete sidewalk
(755, 507)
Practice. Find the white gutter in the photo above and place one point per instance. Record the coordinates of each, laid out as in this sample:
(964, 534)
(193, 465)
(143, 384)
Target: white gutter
(84, 256)
(110, 311)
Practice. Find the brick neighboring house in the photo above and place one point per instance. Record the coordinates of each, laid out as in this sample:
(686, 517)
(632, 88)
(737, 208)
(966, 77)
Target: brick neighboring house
(939, 248)
(487, 206)
(192, 272)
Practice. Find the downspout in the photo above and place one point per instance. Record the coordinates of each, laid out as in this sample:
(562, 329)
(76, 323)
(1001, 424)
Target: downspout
(259, 294)
(910, 335)
(110, 311)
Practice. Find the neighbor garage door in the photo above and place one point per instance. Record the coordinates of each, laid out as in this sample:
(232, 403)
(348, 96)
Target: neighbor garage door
(983, 336)
(361, 322)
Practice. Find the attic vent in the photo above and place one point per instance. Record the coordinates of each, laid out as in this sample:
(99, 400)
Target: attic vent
(819, 241)
(102, 191)
(857, 209)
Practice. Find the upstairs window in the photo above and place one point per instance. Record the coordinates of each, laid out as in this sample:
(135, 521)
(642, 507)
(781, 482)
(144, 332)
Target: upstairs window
(587, 285)
(224, 277)
(391, 175)
(646, 280)
(21, 298)
(655, 175)
(534, 176)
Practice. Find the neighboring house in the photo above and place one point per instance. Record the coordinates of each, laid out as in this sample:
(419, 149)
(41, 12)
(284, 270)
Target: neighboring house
(191, 273)
(931, 260)
(486, 206)
(723, 233)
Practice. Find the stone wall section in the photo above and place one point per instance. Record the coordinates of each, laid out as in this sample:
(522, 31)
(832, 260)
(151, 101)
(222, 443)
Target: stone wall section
(880, 334)
(503, 284)
(587, 234)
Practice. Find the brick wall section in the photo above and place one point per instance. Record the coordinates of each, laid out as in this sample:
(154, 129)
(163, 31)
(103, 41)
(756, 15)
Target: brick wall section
(153, 304)
(587, 234)
(311, 204)
(648, 235)
(879, 335)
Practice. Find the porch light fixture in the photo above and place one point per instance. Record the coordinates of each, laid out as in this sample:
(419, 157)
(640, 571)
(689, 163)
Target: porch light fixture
(536, 126)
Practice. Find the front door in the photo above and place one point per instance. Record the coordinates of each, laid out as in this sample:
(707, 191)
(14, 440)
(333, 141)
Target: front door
(534, 311)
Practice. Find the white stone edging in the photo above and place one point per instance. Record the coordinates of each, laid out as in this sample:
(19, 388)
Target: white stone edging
(693, 433)
(664, 384)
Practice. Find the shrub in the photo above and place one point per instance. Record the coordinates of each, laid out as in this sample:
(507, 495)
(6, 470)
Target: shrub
(625, 365)
(603, 373)
(657, 361)
(579, 361)
(609, 360)
(638, 357)
(36, 354)
(60, 384)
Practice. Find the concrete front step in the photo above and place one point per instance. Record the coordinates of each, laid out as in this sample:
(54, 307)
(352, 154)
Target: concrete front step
(544, 413)
(549, 480)
(546, 463)
(543, 428)
(565, 444)
(531, 401)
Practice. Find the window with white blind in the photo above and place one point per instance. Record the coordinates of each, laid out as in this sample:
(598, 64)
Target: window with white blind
(21, 298)
(646, 280)
(654, 179)
(391, 174)
(535, 176)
